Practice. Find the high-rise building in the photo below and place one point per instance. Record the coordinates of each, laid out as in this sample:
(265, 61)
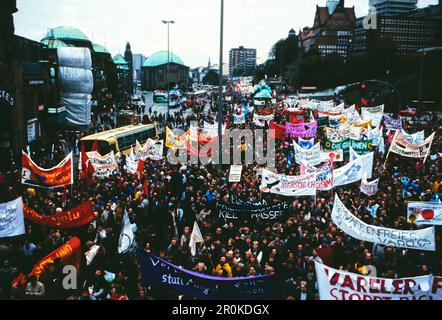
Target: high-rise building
(404, 33)
(332, 30)
(138, 60)
(393, 7)
(241, 59)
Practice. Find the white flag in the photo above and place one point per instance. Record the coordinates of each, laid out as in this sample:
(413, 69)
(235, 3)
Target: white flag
(126, 242)
(196, 237)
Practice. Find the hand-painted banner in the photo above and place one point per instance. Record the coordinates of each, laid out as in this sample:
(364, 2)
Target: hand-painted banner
(354, 170)
(311, 156)
(104, 166)
(58, 176)
(338, 134)
(174, 142)
(281, 184)
(324, 174)
(69, 254)
(245, 210)
(11, 218)
(392, 124)
(359, 133)
(423, 239)
(76, 217)
(336, 121)
(376, 135)
(160, 274)
(362, 147)
(375, 114)
(131, 164)
(369, 188)
(152, 149)
(425, 213)
(306, 144)
(415, 138)
(400, 145)
(301, 130)
(336, 284)
(235, 173)
(239, 118)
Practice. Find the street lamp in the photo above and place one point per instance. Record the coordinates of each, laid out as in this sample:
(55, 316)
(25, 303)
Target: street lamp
(168, 22)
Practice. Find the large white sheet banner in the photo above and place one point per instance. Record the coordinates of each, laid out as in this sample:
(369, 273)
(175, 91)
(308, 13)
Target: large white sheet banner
(311, 156)
(303, 185)
(369, 188)
(375, 135)
(104, 166)
(324, 174)
(131, 164)
(336, 284)
(423, 239)
(425, 213)
(402, 146)
(11, 218)
(338, 134)
(354, 170)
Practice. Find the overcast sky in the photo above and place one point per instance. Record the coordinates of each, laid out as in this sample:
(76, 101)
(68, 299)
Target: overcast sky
(195, 36)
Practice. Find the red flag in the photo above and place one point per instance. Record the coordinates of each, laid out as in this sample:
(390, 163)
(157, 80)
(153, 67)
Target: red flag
(227, 122)
(84, 159)
(95, 147)
(140, 168)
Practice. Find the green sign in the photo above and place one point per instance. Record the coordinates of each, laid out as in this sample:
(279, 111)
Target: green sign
(361, 147)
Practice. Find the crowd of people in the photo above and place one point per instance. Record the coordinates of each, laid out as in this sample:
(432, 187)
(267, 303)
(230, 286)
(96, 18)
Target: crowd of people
(179, 195)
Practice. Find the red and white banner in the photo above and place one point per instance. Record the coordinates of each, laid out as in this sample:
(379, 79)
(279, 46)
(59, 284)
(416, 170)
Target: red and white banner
(58, 176)
(304, 185)
(342, 285)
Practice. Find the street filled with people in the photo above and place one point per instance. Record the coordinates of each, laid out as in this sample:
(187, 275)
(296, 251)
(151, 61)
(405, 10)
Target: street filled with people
(164, 203)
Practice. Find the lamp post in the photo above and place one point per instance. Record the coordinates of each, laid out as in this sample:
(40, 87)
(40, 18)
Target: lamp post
(168, 22)
(220, 89)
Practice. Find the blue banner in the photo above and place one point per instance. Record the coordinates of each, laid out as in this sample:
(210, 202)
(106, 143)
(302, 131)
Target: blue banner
(161, 274)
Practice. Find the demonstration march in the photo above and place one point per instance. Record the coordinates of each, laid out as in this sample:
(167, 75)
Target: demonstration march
(250, 190)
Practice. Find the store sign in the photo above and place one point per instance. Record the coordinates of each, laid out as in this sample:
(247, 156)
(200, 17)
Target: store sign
(32, 129)
(4, 95)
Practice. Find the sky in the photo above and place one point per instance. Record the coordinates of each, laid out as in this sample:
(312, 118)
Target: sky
(194, 36)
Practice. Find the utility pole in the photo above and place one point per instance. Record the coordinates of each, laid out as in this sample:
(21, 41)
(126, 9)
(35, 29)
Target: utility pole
(220, 89)
(168, 65)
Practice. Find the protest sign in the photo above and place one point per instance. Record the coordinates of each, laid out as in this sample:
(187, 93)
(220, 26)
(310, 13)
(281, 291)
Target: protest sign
(311, 156)
(246, 210)
(11, 218)
(369, 188)
(336, 284)
(354, 170)
(423, 239)
(304, 185)
(104, 166)
(235, 173)
(72, 218)
(160, 274)
(392, 124)
(425, 213)
(58, 176)
(301, 130)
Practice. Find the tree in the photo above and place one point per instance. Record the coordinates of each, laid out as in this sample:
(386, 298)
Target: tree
(211, 78)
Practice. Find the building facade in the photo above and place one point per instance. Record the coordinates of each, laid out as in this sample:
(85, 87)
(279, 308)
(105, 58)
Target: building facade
(393, 7)
(138, 61)
(161, 71)
(332, 30)
(241, 58)
(405, 33)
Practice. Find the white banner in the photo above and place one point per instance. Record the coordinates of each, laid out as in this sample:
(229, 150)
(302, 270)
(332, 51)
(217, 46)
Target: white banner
(400, 145)
(311, 156)
(260, 120)
(342, 285)
(369, 188)
(303, 185)
(375, 114)
(425, 213)
(392, 124)
(338, 134)
(324, 174)
(423, 239)
(235, 173)
(104, 166)
(239, 118)
(354, 170)
(375, 135)
(131, 164)
(11, 218)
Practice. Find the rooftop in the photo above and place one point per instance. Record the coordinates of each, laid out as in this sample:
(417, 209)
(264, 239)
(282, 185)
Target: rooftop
(66, 33)
(160, 58)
